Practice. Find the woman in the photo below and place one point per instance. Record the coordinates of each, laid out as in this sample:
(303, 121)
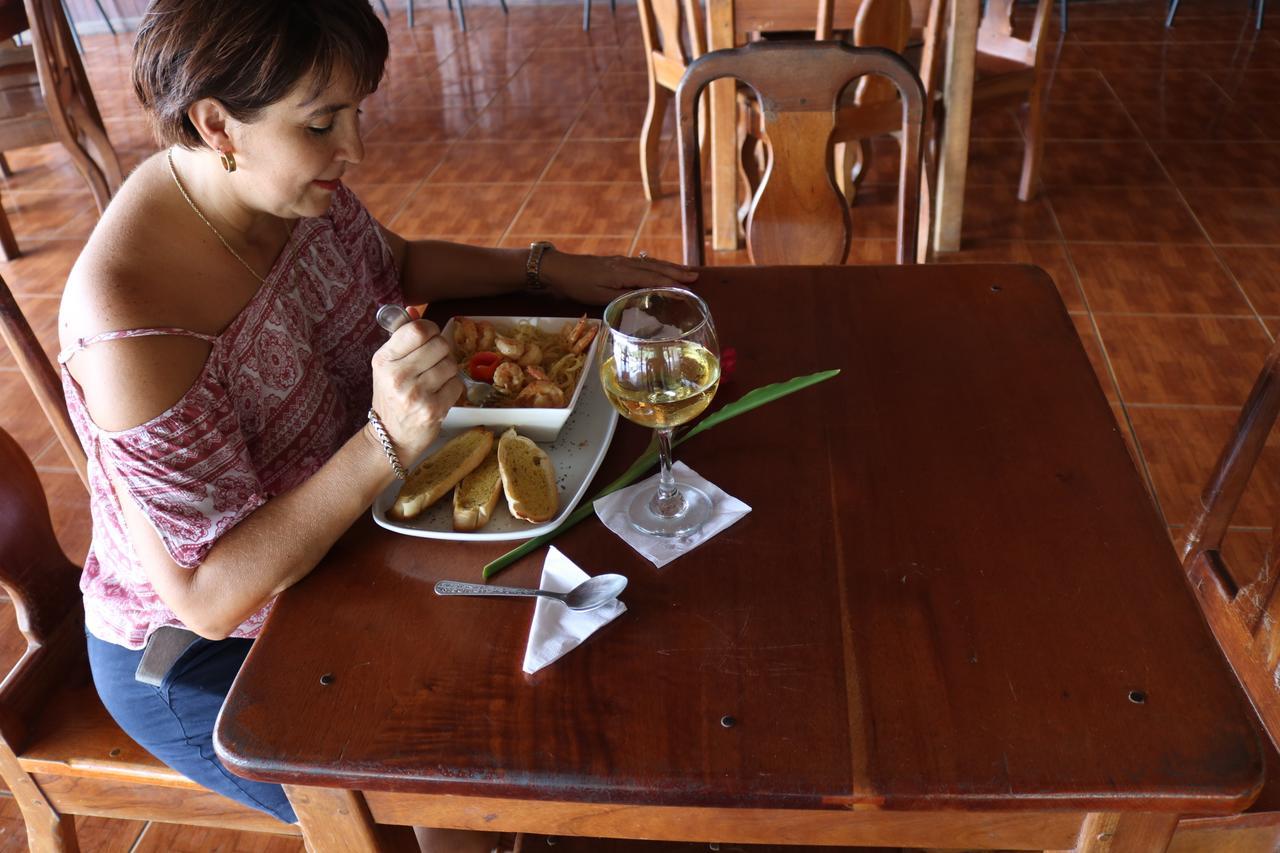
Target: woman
(221, 358)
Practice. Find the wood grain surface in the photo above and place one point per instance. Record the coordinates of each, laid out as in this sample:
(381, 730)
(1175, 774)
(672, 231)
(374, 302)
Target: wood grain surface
(953, 593)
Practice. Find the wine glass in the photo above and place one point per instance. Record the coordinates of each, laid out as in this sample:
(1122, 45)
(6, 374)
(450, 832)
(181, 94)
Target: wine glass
(660, 364)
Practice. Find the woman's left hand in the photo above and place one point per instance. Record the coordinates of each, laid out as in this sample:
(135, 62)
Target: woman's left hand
(596, 280)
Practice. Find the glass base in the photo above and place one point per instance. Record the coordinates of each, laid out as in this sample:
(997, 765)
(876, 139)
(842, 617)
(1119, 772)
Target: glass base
(695, 512)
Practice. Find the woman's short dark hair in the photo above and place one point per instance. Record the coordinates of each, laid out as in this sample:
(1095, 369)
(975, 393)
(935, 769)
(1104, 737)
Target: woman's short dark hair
(248, 54)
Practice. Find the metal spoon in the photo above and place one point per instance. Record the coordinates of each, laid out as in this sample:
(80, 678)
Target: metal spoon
(392, 317)
(588, 595)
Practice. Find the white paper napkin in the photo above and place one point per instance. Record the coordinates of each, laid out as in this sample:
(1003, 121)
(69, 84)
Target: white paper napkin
(556, 629)
(725, 510)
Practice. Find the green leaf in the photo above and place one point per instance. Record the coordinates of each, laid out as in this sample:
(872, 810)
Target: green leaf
(751, 400)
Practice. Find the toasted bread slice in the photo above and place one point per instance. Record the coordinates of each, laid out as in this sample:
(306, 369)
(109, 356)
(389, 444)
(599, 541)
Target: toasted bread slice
(441, 471)
(477, 495)
(528, 478)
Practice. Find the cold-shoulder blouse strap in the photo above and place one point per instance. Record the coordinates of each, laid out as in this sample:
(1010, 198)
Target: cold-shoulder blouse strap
(120, 334)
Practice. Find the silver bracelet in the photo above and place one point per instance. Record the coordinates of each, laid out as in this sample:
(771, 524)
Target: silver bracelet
(387, 448)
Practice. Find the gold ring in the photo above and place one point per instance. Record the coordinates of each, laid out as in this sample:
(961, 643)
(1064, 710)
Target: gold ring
(643, 255)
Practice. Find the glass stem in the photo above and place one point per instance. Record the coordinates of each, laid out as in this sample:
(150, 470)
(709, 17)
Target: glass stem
(667, 502)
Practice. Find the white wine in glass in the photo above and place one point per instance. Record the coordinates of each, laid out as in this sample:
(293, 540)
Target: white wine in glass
(660, 366)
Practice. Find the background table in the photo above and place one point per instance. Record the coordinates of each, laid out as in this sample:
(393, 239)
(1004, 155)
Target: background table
(953, 618)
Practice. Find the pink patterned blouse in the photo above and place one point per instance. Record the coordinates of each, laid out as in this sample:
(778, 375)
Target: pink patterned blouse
(285, 384)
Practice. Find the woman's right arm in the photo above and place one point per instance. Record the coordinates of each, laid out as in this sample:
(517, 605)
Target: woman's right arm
(130, 382)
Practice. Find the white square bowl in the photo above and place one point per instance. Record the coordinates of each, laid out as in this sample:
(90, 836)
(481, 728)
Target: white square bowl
(537, 424)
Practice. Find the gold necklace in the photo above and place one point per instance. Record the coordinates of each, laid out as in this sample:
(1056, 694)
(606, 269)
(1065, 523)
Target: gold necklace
(216, 233)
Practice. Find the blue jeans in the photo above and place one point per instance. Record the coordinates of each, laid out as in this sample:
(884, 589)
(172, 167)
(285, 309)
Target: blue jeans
(174, 722)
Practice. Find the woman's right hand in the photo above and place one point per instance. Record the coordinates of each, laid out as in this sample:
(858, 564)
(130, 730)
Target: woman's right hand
(415, 383)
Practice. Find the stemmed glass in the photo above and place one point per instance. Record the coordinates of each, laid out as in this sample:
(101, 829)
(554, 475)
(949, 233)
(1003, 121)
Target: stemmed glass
(660, 364)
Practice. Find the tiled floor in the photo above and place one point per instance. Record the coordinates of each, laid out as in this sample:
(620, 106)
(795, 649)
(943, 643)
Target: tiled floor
(1159, 221)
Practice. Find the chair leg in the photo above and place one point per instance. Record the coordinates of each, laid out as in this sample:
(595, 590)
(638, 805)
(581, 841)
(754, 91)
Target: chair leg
(503, 4)
(5, 170)
(651, 139)
(106, 19)
(408, 13)
(1064, 15)
(1030, 184)
(462, 15)
(1173, 10)
(386, 13)
(586, 16)
(613, 7)
(1262, 5)
(8, 243)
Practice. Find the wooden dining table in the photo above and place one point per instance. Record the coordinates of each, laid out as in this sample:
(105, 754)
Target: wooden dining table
(953, 617)
(729, 23)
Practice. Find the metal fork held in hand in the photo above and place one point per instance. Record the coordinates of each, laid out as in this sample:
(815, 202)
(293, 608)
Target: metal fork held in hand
(392, 317)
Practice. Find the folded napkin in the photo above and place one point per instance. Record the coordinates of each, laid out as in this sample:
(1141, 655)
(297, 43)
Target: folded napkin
(725, 510)
(556, 629)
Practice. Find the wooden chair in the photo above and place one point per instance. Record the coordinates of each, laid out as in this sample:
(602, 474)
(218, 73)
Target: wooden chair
(41, 376)
(45, 97)
(1242, 609)
(673, 38)
(60, 752)
(1010, 70)
(798, 214)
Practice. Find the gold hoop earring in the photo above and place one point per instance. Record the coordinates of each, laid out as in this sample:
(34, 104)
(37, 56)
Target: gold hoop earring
(228, 160)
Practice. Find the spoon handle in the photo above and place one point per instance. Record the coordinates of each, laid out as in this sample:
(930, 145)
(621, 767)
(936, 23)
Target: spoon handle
(459, 588)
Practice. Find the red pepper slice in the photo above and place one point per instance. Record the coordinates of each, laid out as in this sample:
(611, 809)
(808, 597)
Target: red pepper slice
(482, 365)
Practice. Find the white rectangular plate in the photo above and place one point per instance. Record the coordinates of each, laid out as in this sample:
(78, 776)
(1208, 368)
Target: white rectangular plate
(576, 455)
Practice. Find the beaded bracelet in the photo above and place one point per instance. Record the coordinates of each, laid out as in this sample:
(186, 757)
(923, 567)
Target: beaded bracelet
(387, 448)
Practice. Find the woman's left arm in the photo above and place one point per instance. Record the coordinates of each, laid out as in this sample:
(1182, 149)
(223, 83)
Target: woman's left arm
(434, 269)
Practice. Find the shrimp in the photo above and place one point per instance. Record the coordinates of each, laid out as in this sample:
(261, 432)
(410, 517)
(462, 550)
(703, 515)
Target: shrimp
(484, 336)
(465, 336)
(508, 378)
(532, 355)
(535, 372)
(579, 336)
(541, 394)
(512, 348)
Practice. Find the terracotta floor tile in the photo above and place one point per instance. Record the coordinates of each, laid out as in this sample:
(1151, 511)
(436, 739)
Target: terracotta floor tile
(595, 59)
(1069, 85)
(1181, 445)
(69, 509)
(1258, 271)
(20, 416)
(1156, 279)
(582, 210)
(1169, 86)
(383, 200)
(459, 210)
(1250, 165)
(1104, 31)
(1157, 55)
(1184, 360)
(1219, 119)
(1249, 86)
(577, 245)
(591, 160)
(421, 124)
(397, 162)
(1148, 215)
(42, 267)
(1050, 256)
(618, 121)
(995, 123)
(548, 87)
(1080, 163)
(476, 162)
(1089, 120)
(1237, 216)
(992, 162)
(97, 834)
(996, 214)
(504, 119)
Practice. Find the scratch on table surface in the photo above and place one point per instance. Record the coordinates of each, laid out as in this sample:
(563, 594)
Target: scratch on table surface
(720, 651)
(1011, 690)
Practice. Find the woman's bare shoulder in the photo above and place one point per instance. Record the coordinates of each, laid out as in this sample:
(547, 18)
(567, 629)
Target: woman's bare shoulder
(132, 274)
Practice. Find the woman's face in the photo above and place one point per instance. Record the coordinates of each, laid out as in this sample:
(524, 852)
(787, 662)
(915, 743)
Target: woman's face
(290, 159)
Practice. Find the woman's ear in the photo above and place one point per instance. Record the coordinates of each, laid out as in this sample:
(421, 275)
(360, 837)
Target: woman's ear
(210, 119)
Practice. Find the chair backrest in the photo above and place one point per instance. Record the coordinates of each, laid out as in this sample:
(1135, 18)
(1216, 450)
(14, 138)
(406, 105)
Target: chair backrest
(881, 23)
(798, 215)
(41, 376)
(1243, 609)
(673, 36)
(42, 583)
(995, 33)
